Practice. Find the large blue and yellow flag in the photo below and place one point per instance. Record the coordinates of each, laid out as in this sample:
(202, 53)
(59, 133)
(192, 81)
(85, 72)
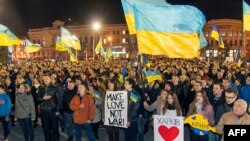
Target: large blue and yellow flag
(59, 46)
(246, 15)
(238, 58)
(69, 40)
(217, 36)
(129, 11)
(153, 75)
(7, 38)
(31, 47)
(99, 46)
(170, 33)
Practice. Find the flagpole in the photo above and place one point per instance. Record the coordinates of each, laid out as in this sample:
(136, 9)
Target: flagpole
(76, 54)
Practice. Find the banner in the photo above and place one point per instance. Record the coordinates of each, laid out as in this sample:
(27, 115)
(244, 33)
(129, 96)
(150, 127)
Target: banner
(168, 128)
(200, 124)
(116, 105)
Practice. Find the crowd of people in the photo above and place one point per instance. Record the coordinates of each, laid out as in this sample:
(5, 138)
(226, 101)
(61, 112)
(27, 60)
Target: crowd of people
(70, 96)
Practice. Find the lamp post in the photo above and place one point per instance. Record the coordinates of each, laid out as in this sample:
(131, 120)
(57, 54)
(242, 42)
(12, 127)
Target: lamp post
(96, 27)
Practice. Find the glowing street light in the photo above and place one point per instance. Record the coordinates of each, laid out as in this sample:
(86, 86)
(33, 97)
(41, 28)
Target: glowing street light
(96, 27)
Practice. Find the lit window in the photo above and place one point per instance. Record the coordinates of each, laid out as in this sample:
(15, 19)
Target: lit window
(223, 34)
(123, 40)
(207, 55)
(123, 32)
(104, 41)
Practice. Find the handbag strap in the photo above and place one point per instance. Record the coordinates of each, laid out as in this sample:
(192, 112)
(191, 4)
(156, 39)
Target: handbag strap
(23, 107)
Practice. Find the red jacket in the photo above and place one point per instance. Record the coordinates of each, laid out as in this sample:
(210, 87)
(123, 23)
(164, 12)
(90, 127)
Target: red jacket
(82, 115)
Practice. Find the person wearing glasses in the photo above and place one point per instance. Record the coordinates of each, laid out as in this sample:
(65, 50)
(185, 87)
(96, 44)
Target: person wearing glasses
(231, 96)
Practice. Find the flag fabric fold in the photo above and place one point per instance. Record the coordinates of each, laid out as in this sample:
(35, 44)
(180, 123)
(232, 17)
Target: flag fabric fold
(238, 58)
(31, 47)
(129, 11)
(217, 36)
(99, 46)
(153, 75)
(7, 38)
(70, 40)
(176, 37)
(59, 46)
(246, 15)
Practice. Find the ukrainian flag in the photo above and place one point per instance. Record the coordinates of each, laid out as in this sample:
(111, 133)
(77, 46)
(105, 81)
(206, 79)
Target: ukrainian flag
(153, 75)
(129, 12)
(144, 60)
(108, 54)
(238, 58)
(121, 79)
(96, 94)
(246, 15)
(7, 38)
(70, 40)
(172, 33)
(99, 46)
(217, 36)
(134, 97)
(31, 47)
(73, 58)
(59, 46)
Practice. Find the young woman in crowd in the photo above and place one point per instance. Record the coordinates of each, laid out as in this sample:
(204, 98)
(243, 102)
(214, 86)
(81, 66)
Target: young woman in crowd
(172, 106)
(25, 112)
(201, 105)
(113, 132)
(158, 104)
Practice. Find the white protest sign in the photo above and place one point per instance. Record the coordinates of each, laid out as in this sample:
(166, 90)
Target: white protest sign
(168, 128)
(116, 105)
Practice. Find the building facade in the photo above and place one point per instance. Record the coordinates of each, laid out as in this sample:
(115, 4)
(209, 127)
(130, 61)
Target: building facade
(233, 38)
(115, 35)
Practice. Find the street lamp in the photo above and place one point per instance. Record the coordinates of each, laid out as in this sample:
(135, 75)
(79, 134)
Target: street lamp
(96, 27)
(110, 40)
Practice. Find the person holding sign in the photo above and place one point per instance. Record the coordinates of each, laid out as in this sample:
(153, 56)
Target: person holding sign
(84, 112)
(113, 132)
(134, 101)
(172, 106)
(158, 104)
(201, 105)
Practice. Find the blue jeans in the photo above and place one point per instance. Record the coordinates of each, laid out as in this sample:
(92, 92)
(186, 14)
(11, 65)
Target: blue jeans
(87, 128)
(141, 123)
(62, 121)
(27, 128)
(69, 125)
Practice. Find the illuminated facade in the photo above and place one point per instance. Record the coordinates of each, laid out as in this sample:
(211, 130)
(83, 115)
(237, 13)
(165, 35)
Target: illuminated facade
(233, 38)
(115, 35)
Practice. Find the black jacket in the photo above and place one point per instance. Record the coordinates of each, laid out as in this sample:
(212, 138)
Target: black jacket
(133, 106)
(50, 105)
(67, 97)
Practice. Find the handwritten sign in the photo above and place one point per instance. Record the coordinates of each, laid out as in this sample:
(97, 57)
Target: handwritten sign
(116, 103)
(168, 128)
(200, 124)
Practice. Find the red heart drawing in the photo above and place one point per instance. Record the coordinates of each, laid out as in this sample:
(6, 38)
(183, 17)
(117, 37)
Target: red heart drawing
(168, 134)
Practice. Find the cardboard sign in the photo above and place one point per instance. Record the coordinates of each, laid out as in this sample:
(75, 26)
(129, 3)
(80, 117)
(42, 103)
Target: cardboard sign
(116, 105)
(168, 128)
(200, 124)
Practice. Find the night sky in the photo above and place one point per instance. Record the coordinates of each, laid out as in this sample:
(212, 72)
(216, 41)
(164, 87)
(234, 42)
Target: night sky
(20, 15)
